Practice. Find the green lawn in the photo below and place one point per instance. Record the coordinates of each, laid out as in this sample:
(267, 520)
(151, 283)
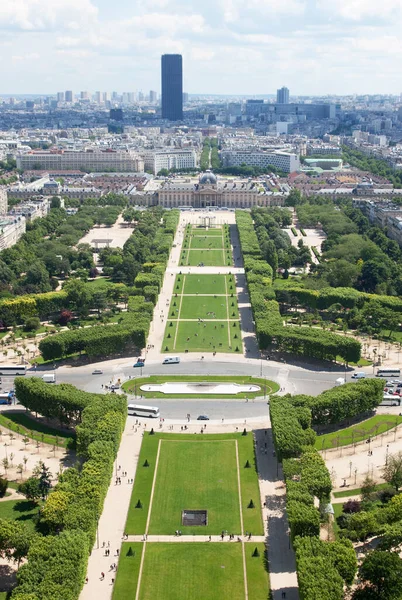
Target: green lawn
(201, 242)
(206, 479)
(101, 283)
(209, 258)
(22, 424)
(204, 284)
(194, 477)
(194, 336)
(357, 491)
(267, 387)
(257, 573)
(204, 307)
(22, 511)
(127, 575)
(196, 571)
(357, 433)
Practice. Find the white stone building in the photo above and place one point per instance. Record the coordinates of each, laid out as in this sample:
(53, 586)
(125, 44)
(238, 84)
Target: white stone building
(92, 160)
(156, 160)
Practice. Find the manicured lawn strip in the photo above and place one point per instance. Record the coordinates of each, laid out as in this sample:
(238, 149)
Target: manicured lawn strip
(137, 517)
(210, 258)
(22, 511)
(127, 574)
(194, 307)
(22, 424)
(337, 512)
(194, 477)
(203, 284)
(212, 336)
(202, 242)
(168, 342)
(358, 491)
(199, 571)
(359, 432)
(252, 518)
(363, 362)
(134, 385)
(257, 574)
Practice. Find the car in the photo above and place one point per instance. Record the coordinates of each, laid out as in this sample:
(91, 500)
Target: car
(396, 393)
(388, 390)
(97, 372)
(389, 384)
(139, 363)
(399, 385)
(114, 386)
(396, 381)
(203, 418)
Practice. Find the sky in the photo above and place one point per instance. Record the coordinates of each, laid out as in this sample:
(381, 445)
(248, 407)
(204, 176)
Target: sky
(239, 47)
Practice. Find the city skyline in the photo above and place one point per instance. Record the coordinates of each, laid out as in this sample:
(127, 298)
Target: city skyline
(315, 47)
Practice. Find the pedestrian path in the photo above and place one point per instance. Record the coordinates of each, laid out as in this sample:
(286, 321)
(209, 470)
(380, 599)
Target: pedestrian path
(112, 522)
(193, 538)
(281, 558)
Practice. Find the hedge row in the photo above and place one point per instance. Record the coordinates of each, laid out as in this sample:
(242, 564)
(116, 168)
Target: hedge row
(133, 326)
(323, 568)
(326, 297)
(57, 562)
(63, 402)
(268, 321)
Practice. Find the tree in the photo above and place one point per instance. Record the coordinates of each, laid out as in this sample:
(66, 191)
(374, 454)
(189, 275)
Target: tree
(294, 198)
(368, 488)
(45, 481)
(31, 489)
(381, 573)
(392, 472)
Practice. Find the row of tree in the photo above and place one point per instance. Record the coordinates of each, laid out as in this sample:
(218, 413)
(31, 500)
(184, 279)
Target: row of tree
(57, 561)
(323, 568)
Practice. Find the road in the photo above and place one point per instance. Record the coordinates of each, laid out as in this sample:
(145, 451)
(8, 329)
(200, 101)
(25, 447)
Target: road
(292, 379)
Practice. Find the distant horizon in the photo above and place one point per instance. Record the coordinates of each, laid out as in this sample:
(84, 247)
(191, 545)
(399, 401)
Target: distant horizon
(199, 94)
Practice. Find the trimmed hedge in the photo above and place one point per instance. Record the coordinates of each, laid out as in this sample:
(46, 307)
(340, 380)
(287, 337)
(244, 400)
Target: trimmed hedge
(56, 564)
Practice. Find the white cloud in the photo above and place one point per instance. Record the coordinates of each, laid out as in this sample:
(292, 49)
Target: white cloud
(42, 15)
(234, 10)
(357, 10)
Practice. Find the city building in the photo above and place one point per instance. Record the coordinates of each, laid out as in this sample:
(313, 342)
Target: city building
(68, 96)
(282, 96)
(153, 97)
(285, 161)
(172, 87)
(3, 202)
(60, 96)
(91, 160)
(211, 191)
(11, 229)
(157, 160)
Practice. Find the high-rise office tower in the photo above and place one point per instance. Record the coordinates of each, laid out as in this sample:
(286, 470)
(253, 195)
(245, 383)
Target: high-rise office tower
(172, 87)
(68, 96)
(153, 97)
(60, 96)
(84, 95)
(282, 96)
(98, 97)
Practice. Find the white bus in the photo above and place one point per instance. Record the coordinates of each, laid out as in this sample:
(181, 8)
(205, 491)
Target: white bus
(388, 373)
(11, 370)
(136, 410)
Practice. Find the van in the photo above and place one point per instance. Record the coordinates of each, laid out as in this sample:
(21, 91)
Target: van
(360, 375)
(49, 378)
(172, 360)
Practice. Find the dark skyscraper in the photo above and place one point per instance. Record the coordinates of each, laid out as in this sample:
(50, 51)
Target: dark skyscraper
(172, 87)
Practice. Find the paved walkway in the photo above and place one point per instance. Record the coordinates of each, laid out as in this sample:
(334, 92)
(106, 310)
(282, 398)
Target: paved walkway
(194, 538)
(113, 519)
(281, 559)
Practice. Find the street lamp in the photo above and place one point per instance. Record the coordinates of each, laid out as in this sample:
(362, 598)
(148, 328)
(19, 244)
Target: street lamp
(386, 454)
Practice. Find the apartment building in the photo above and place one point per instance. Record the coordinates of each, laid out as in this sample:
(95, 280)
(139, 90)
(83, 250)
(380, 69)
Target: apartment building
(156, 160)
(11, 229)
(89, 159)
(285, 161)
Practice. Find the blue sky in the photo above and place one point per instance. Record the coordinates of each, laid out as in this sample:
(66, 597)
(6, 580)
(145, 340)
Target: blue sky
(228, 46)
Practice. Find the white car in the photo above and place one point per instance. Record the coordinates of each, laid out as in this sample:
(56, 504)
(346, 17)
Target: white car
(97, 372)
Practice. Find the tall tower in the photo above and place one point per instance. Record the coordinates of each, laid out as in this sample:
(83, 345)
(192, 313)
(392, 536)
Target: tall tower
(282, 96)
(172, 87)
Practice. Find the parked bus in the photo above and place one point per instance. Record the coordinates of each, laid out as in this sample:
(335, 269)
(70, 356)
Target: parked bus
(136, 410)
(11, 370)
(390, 400)
(388, 373)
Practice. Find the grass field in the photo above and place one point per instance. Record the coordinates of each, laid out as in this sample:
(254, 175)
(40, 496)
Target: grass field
(200, 473)
(357, 433)
(22, 511)
(357, 491)
(208, 247)
(267, 387)
(198, 571)
(206, 242)
(208, 258)
(204, 307)
(24, 425)
(194, 336)
(189, 477)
